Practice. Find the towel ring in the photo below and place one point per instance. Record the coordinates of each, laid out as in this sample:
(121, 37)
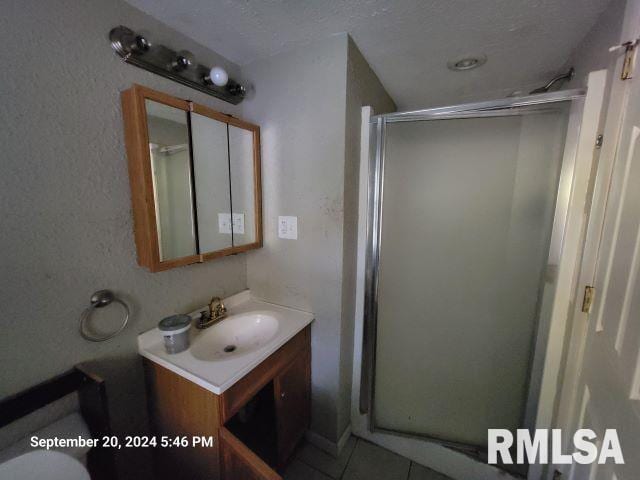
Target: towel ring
(101, 299)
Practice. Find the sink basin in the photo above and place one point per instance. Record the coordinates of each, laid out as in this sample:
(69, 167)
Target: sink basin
(43, 464)
(222, 354)
(234, 336)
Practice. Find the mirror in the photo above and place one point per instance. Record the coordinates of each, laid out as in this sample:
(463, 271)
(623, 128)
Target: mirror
(241, 166)
(195, 180)
(211, 172)
(172, 183)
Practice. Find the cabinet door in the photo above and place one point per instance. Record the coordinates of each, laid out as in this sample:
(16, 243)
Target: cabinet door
(292, 392)
(179, 407)
(211, 177)
(244, 166)
(239, 462)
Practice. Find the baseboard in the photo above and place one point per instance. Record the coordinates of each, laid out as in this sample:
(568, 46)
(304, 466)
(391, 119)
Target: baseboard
(332, 448)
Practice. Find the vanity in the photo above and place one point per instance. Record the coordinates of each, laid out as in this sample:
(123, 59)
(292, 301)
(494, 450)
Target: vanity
(245, 382)
(235, 404)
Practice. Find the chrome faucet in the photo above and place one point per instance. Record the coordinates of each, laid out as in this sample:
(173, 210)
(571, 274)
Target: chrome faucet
(217, 311)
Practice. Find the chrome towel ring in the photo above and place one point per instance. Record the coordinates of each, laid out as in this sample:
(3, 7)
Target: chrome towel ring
(101, 299)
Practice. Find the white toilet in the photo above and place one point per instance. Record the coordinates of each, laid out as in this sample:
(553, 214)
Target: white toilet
(43, 464)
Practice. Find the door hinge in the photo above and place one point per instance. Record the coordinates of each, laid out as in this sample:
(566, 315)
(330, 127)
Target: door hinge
(587, 300)
(627, 64)
(599, 140)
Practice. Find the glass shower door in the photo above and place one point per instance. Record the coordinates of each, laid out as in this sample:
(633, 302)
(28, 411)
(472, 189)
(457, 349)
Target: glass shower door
(466, 215)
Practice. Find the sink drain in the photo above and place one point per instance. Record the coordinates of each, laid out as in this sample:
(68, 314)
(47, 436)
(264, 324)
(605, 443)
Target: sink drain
(229, 348)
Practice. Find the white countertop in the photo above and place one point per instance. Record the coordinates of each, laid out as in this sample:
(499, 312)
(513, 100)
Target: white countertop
(219, 375)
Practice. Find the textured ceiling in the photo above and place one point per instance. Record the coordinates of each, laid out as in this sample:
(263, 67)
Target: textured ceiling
(406, 42)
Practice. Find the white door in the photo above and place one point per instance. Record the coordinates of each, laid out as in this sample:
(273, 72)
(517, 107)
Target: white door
(607, 394)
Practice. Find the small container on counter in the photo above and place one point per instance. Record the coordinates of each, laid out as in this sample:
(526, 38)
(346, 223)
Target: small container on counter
(175, 331)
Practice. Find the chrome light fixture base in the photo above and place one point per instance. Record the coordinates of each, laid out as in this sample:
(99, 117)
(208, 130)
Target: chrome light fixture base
(136, 49)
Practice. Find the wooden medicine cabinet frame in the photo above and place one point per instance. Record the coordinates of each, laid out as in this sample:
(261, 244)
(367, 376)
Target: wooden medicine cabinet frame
(141, 177)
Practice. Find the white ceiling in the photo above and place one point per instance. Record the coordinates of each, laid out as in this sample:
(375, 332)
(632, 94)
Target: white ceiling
(406, 42)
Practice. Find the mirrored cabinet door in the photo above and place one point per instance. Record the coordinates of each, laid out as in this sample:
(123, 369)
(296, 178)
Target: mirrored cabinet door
(243, 141)
(172, 180)
(195, 180)
(211, 172)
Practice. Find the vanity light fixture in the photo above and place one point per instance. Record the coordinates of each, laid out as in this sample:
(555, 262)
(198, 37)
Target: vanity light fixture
(179, 66)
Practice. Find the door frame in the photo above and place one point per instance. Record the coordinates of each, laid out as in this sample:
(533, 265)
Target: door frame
(375, 223)
(570, 406)
(421, 450)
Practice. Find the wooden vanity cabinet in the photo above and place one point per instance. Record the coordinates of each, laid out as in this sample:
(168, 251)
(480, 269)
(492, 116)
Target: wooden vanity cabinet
(276, 392)
(292, 389)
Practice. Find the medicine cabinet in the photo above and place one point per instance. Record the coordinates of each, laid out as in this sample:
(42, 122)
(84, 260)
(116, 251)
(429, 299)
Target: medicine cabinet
(195, 180)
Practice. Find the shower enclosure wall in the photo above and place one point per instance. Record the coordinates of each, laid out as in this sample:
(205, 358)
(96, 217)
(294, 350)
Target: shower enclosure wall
(466, 215)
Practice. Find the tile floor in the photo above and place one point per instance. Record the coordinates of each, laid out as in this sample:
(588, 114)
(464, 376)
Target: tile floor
(359, 460)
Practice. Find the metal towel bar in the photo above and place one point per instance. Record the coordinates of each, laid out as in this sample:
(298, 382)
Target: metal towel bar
(101, 299)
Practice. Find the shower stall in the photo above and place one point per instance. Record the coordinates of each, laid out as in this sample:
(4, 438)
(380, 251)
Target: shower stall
(466, 221)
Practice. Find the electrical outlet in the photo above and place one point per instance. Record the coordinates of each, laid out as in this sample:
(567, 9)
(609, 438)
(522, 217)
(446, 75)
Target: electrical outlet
(288, 227)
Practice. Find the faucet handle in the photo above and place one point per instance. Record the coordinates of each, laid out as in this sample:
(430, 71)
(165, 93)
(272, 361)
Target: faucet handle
(217, 308)
(220, 308)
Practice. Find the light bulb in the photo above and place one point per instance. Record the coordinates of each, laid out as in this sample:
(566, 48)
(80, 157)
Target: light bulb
(219, 76)
(184, 59)
(141, 43)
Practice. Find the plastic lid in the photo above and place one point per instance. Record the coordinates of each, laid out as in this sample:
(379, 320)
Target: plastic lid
(174, 322)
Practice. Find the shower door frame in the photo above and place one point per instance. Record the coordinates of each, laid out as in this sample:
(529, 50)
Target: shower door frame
(375, 199)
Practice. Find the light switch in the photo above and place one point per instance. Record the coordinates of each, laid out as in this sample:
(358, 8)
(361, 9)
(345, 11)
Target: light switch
(224, 223)
(238, 223)
(288, 227)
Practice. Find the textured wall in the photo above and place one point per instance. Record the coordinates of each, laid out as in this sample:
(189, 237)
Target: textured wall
(300, 106)
(363, 89)
(64, 201)
(308, 104)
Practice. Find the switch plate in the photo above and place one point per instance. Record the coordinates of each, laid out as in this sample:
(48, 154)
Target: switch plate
(224, 223)
(238, 223)
(288, 227)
